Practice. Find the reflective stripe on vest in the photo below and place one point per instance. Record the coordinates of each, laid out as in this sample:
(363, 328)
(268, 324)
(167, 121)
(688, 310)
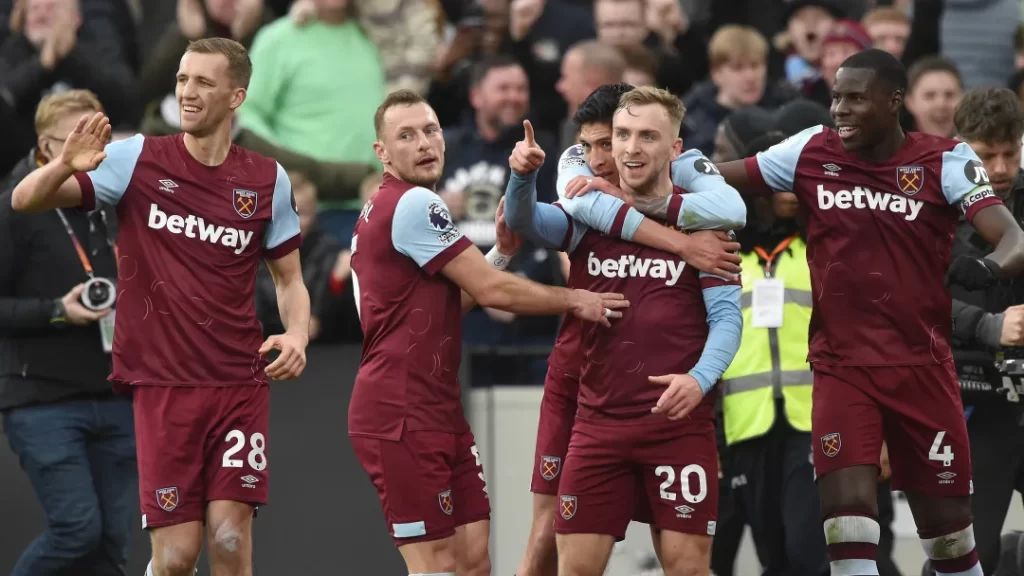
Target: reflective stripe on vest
(771, 362)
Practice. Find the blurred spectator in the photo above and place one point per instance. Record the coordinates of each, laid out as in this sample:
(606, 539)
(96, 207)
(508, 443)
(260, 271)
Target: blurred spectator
(45, 53)
(933, 92)
(315, 88)
(889, 29)
(660, 26)
(799, 114)
(739, 75)
(586, 66)
(978, 36)
(807, 24)
(325, 270)
(641, 66)
(74, 438)
(738, 130)
(540, 33)
(407, 34)
(476, 164)
(845, 39)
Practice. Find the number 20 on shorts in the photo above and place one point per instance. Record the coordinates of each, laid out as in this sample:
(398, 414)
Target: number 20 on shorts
(669, 474)
(257, 457)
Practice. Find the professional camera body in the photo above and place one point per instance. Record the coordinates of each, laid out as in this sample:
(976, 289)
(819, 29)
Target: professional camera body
(99, 294)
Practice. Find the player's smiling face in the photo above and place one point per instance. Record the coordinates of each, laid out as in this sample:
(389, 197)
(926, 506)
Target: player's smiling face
(207, 96)
(643, 144)
(411, 145)
(596, 140)
(862, 108)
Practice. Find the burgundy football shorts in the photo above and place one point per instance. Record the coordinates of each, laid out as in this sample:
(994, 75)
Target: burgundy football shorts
(557, 414)
(197, 444)
(428, 482)
(665, 475)
(915, 409)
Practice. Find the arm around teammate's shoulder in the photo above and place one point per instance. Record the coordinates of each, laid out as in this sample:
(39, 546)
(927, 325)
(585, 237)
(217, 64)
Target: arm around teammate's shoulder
(712, 203)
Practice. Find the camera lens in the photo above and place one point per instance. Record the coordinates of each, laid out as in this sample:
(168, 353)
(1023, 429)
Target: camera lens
(98, 294)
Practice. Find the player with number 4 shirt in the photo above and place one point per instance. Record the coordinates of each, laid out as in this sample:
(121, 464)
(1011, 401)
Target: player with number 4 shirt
(881, 207)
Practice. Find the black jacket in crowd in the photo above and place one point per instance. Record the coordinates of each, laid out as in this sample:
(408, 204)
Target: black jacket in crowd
(977, 315)
(39, 361)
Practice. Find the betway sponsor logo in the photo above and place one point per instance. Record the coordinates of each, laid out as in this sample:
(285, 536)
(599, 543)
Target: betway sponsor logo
(195, 227)
(633, 267)
(862, 198)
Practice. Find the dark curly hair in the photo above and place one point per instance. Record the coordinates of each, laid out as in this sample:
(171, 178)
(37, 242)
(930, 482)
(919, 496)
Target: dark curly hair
(990, 115)
(600, 105)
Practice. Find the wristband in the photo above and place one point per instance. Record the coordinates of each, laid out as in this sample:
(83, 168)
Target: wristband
(497, 259)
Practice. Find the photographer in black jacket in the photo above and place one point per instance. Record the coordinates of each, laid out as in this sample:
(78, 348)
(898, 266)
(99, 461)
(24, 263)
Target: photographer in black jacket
(991, 121)
(74, 438)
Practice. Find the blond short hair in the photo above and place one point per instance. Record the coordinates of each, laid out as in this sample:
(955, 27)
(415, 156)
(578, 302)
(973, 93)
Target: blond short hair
(646, 95)
(54, 106)
(885, 14)
(239, 64)
(735, 44)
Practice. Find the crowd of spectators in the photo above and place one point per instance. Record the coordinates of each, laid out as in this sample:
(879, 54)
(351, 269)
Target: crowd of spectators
(321, 67)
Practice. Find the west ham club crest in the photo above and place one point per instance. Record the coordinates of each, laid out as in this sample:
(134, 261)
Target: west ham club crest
(167, 498)
(550, 466)
(831, 444)
(444, 499)
(910, 179)
(244, 202)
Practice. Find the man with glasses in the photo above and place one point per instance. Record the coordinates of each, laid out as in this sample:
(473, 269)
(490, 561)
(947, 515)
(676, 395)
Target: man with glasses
(74, 438)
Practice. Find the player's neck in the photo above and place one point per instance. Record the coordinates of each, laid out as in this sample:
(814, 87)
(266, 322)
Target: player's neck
(397, 176)
(211, 149)
(885, 149)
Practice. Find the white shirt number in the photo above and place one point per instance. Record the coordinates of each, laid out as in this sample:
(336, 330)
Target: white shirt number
(941, 453)
(669, 474)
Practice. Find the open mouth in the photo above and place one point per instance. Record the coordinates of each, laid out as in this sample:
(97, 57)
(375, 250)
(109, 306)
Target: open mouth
(633, 166)
(427, 162)
(189, 109)
(847, 132)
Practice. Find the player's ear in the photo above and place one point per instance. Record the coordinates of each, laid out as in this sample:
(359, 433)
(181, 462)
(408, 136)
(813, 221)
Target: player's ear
(898, 100)
(238, 98)
(381, 153)
(677, 148)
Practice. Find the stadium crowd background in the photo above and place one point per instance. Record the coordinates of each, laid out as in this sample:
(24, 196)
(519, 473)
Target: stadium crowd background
(485, 66)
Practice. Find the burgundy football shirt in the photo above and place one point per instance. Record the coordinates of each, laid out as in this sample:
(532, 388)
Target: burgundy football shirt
(664, 330)
(190, 239)
(879, 241)
(410, 313)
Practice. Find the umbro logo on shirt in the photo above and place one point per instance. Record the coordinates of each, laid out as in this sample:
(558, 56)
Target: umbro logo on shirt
(168, 186)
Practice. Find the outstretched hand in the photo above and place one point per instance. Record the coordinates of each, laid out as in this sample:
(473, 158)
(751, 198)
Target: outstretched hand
(292, 360)
(83, 149)
(527, 156)
(594, 307)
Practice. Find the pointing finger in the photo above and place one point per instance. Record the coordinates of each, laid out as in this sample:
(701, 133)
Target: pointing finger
(529, 133)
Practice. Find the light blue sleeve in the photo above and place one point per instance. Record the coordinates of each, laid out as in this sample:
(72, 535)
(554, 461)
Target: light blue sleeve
(964, 179)
(110, 180)
(422, 227)
(712, 204)
(778, 163)
(570, 165)
(543, 224)
(284, 218)
(725, 328)
(598, 210)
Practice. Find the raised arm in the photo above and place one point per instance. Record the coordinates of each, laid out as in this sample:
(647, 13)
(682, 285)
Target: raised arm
(87, 169)
(965, 184)
(543, 224)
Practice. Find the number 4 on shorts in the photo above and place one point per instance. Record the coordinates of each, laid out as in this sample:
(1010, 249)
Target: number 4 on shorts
(941, 453)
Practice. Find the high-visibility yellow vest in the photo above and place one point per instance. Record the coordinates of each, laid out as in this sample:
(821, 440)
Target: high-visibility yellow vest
(771, 360)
